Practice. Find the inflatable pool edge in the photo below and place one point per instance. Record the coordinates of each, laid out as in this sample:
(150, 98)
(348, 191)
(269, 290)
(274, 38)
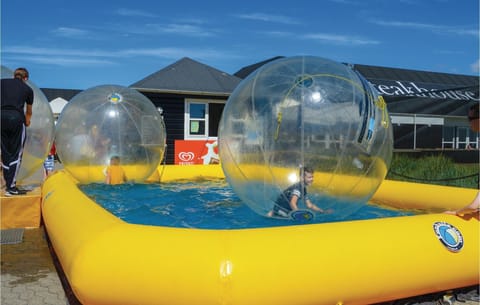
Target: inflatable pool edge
(108, 261)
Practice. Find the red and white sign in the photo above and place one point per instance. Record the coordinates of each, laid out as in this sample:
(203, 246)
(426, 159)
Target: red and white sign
(188, 152)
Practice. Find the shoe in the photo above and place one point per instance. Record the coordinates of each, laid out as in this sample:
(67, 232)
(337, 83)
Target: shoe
(21, 191)
(14, 191)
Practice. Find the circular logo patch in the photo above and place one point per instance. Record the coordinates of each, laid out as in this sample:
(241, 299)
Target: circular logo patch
(449, 236)
(115, 98)
(302, 215)
(304, 81)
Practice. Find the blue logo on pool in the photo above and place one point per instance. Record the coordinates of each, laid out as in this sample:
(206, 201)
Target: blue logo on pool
(449, 236)
(302, 215)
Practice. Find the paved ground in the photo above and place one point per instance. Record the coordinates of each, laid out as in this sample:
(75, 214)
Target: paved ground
(28, 274)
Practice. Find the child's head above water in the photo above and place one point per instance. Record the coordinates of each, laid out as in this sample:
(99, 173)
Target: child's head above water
(115, 160)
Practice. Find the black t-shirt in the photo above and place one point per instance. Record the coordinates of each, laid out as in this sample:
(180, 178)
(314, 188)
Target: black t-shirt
(15, 94)
(297, 189)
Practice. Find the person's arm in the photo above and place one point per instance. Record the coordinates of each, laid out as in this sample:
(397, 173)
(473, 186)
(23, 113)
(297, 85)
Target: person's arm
(294, 203)
(28, 114)
(313, 206)
(107, 176)
(473, 207)
(124, 177)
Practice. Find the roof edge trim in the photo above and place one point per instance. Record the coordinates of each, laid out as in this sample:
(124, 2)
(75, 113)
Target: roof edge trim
(154, 90)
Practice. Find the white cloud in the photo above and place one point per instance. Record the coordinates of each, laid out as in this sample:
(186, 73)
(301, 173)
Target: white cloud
(59, 57)
(277, 33)
(193, 20)
(78, 57)
(55, 52)
(185, 29)
(69, 61)
(268, 18)
(441, 29)
(176, 53)
(475, 67)
(344, 2)
(133, 13)
(58, 60)
(340, 39)
(70, 32)
(450, 52)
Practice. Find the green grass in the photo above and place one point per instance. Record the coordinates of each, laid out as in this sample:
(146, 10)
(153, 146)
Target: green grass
(433, 170)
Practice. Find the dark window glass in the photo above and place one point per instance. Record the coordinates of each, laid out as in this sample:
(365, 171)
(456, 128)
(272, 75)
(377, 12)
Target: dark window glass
(197, 111)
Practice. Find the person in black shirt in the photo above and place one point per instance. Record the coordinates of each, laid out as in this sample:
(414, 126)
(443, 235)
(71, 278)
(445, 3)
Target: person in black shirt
(291, 197)
(16, 101)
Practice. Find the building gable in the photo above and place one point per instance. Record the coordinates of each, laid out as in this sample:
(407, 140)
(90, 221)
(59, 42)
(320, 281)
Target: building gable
(66, 94)
(57, 105)
(189, 76)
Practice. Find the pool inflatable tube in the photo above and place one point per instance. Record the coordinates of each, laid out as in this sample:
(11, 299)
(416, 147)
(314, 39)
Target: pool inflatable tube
(108, 261)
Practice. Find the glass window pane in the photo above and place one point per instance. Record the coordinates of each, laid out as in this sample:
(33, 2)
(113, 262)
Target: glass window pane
(448, 133)
(197, 127)
(197, 111)
(473, 140)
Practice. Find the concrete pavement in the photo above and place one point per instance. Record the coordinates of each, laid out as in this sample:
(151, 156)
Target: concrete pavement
(28, 275)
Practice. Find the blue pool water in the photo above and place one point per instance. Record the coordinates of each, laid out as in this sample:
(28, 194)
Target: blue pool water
(206, 205)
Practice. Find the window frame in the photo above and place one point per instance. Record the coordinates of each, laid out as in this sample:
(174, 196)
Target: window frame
(188, 119)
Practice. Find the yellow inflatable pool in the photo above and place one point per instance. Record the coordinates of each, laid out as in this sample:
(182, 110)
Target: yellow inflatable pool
(108, 261)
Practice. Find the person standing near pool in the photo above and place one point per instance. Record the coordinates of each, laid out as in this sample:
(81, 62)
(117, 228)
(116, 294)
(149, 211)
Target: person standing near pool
(114, 172)
(474, 206)
(290, 198)
(16, 101)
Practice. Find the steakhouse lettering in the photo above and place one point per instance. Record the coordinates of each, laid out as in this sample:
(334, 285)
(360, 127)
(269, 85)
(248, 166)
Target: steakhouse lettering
(398, 88)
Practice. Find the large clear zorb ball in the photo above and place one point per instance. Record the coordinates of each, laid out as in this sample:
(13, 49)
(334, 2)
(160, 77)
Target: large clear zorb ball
(40, 133)
(301, 112)
(106, 121)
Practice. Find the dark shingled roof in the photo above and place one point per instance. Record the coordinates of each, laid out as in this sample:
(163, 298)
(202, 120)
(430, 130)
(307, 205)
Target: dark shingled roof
(66, 94)
(187, 75)
(443, 82)
(373, 73)
(246, 71)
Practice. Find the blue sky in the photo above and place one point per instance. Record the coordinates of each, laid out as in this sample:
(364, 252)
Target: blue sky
(82, 44)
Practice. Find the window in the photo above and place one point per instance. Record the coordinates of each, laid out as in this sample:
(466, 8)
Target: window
(198, 117)
(448, 139)
(459, 137)
(202, 118)
(473, 139)
(462, 139)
